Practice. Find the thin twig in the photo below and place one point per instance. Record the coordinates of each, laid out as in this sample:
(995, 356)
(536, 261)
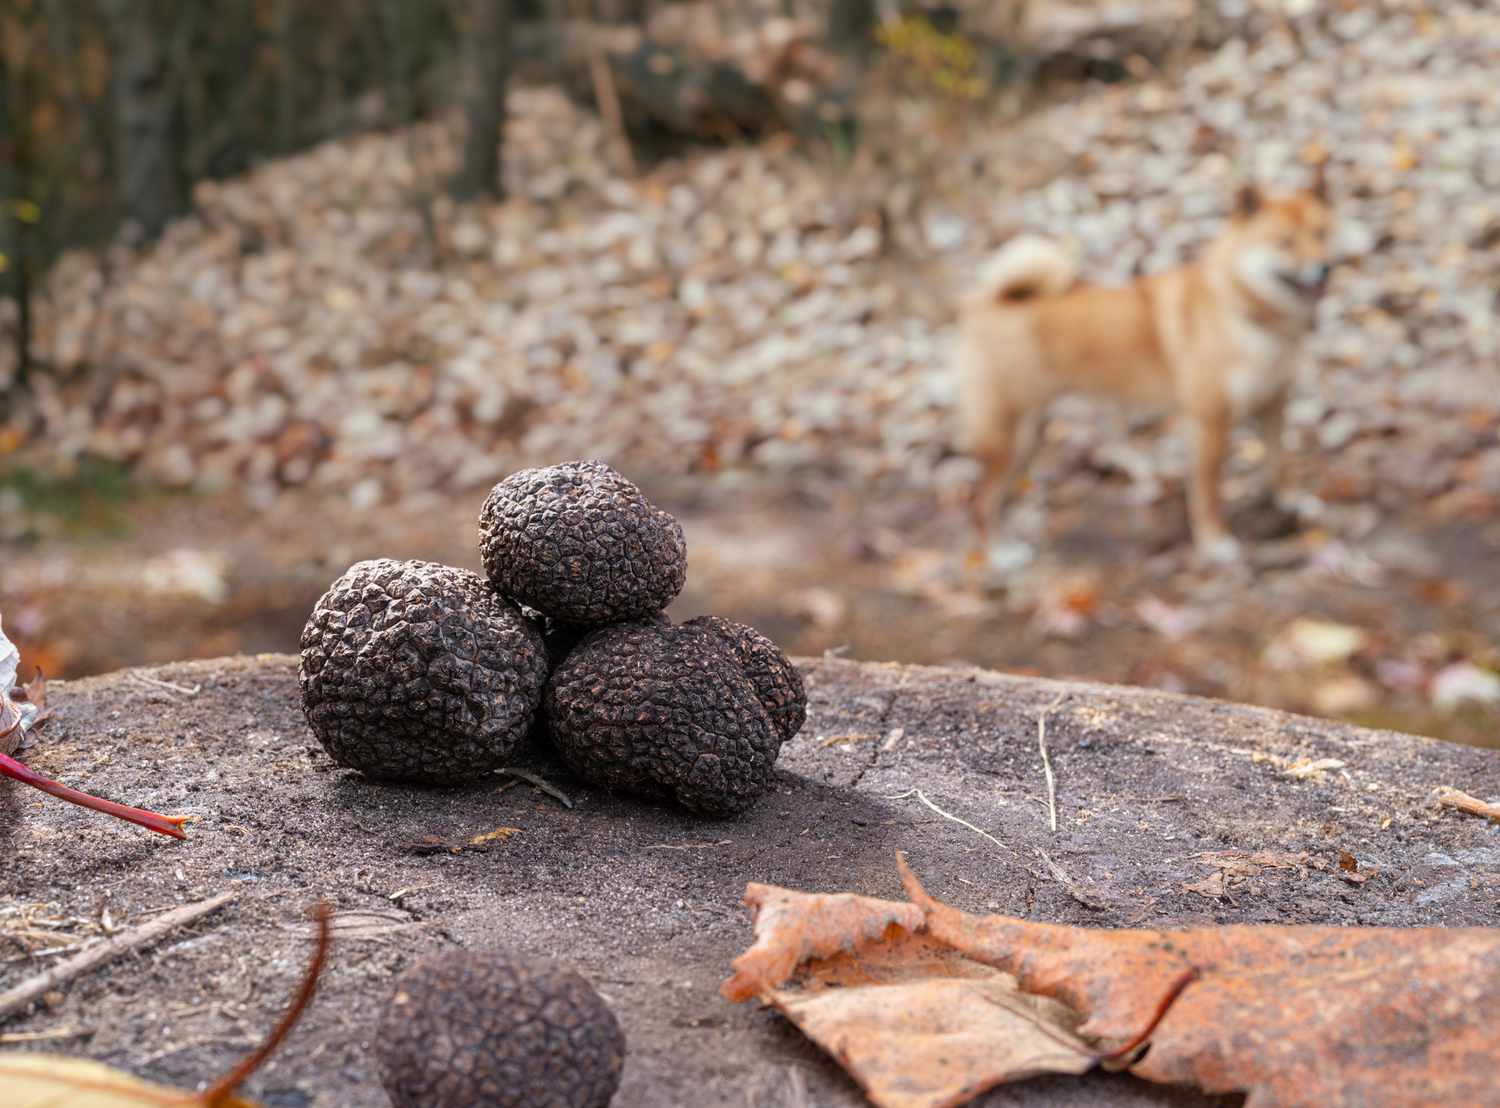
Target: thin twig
(50, 952)
(1447, 797)
(962, 822)
(1088, 898)
(539, 783)
(1041, 742)
(43, 1036)
(689, 846)
(16, 999)
(156, 682)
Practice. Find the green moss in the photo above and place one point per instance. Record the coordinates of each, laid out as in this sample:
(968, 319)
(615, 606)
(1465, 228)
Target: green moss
(1470, 725)
(90, 499)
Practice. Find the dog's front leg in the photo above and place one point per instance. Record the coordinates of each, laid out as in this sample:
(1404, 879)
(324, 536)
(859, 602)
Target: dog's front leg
(1210, 439)
(1282, 490)
(1270, 425)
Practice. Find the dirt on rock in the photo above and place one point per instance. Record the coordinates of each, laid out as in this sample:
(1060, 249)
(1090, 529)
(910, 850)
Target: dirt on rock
(1157, 798)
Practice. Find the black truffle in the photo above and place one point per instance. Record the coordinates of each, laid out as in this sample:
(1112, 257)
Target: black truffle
(776, 680)
(419, 672)
(471, 1030)
(666, 712)
(580, 544)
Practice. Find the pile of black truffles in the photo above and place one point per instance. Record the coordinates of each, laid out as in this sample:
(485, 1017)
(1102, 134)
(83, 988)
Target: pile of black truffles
(469, 1029)
(414, 671)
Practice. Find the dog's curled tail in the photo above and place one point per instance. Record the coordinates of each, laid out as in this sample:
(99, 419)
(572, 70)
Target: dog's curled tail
(1027, 266)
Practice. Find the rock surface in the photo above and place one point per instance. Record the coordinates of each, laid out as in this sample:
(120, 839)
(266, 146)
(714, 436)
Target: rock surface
(644, 901)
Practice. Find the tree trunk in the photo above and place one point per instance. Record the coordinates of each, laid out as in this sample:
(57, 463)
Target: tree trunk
(487, 65)
(851, 27)
(142, 107)
(13, 247)
(287, 70)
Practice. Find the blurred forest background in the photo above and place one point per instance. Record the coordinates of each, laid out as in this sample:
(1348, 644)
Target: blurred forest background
(286, 284)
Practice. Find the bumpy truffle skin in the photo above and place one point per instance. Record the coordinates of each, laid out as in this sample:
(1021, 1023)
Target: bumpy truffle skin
(776, 680)
(561, 638)
(416, 671)
(472, 1030)
(580, 544)
(665, 712)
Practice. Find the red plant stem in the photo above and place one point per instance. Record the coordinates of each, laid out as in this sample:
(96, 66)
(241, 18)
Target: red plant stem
(151, 821)
(221, 1090)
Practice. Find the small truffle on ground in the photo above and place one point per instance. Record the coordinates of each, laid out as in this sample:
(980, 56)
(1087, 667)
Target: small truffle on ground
(666, 712)
(472, 1030)
(580, 544)
(416, 671)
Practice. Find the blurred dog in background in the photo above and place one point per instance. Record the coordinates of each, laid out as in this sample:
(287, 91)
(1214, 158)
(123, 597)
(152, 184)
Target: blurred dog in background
(1212, 342)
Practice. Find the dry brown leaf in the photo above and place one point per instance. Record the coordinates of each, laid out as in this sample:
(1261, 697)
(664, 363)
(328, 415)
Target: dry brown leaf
(792, 928)
(917, 1014)
(1212, 886)
(1248, 863)
(1232, 867)
(914, 1022)
(49, 1080)
(1288, 1015)
(501, 834)
(1314, 769)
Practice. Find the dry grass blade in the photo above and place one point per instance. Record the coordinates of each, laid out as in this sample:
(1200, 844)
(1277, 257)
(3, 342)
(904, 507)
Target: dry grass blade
(16, 999)
(961, 822)
(1041, 742)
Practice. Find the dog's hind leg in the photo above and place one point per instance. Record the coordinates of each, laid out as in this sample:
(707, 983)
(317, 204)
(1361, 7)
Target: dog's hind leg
(994, 465)
(1004, 453)
(1283, 493)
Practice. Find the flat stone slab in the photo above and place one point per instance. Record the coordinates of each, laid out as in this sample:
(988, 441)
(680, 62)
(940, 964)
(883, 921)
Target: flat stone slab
(645, 901)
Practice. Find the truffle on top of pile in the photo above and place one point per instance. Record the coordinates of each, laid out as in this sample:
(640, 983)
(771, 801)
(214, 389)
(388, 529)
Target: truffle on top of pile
(580, 544)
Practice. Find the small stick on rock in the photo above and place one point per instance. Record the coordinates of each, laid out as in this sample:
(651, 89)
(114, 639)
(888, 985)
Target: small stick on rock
(166, 686)
(47, 1035)
(1078, 890)
(1446, 797)
(961, 822)
(1041, 742)
(539, 783)
(689, 846)
(16, 999)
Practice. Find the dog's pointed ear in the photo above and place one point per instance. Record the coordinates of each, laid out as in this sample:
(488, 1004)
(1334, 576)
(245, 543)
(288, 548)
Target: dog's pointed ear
(1247, 201)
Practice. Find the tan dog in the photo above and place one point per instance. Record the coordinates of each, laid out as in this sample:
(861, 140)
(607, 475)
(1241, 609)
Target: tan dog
(1212, 342)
